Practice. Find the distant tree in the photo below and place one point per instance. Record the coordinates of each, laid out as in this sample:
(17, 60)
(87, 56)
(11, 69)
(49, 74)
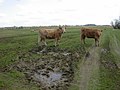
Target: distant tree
(21, 27)
(89, 25)
(116, 23)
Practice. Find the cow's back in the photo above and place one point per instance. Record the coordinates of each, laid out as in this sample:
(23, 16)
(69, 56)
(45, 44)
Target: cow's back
(90, 32)
(50, 33)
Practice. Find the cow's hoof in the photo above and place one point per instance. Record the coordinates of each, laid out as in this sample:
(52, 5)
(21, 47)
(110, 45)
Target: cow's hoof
(87, 54)
(96, 45)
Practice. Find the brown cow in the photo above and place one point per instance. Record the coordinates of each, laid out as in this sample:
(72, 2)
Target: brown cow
(91, 33)
(50, 34)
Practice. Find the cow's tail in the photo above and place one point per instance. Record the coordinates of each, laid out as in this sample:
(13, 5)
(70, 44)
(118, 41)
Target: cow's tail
(81, 34)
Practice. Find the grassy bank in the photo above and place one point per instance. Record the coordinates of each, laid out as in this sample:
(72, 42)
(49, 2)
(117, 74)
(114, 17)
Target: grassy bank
(109, 71)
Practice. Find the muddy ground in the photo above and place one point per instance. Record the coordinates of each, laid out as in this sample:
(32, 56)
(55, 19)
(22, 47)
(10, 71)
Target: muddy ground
(51, 68)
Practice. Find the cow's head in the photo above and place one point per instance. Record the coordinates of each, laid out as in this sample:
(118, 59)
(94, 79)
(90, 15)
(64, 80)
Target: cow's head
(100, 32)
(63, 28)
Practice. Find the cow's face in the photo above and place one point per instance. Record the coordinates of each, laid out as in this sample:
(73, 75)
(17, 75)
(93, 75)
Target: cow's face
(101, 32)
(64, 29)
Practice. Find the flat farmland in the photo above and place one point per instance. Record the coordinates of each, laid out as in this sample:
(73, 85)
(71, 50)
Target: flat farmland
(71, 65)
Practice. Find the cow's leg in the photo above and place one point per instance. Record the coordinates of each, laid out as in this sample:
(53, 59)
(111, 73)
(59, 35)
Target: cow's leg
(45, 42)
(96, 42)
(41, 41)
(83, 39)
(56, 41)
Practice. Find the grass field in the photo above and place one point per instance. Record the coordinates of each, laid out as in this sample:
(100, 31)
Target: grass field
(105, 75)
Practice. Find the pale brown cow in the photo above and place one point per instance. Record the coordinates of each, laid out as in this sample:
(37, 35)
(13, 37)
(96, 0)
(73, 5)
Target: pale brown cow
(91, 33)
(50, 34)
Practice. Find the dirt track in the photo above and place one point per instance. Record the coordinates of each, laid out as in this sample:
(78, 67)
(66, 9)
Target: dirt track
(88, 68)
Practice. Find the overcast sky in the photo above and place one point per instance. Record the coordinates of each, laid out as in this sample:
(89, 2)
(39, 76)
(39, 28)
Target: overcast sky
(58, 12)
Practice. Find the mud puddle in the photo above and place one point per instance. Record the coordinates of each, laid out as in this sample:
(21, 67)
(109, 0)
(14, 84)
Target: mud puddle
(51, 69)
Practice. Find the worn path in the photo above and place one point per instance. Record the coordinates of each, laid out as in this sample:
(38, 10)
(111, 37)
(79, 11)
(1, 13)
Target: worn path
(89, 68)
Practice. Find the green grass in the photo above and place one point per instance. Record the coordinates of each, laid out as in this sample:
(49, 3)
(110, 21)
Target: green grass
(13, 43)
(109, 74)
